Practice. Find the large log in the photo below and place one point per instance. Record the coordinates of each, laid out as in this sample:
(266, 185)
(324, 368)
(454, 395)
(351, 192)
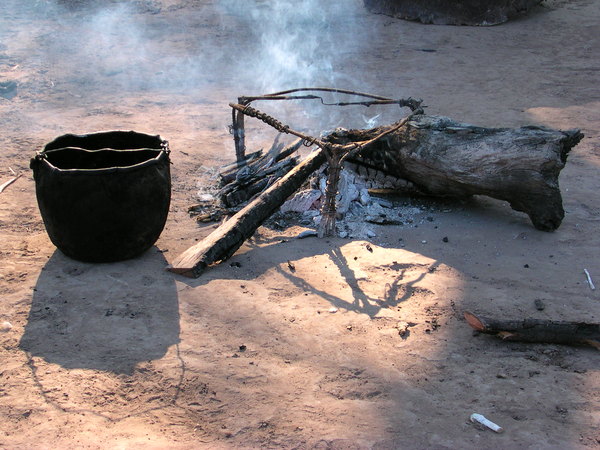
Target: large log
(452, 12)
(449, 159)
(537, 330)
(225, 240)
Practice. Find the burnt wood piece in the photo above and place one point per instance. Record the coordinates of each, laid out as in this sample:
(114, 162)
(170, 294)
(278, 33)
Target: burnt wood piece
(246, 187)
(445, 158)
(449, 12)
(240, 184)
(536, 330)
(225, 240)
(228, 172)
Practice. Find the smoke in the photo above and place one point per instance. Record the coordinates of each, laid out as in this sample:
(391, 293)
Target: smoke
(291, 42)
(234, 46)
(260, 45)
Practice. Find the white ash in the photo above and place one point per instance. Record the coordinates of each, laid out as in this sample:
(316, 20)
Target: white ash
(359, 213)
(206, 184)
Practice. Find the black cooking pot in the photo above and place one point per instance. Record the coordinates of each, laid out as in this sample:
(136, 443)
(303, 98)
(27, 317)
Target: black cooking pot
(103, 196)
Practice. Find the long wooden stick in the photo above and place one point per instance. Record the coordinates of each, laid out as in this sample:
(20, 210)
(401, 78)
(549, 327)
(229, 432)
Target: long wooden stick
(537, 330)
(225, 240)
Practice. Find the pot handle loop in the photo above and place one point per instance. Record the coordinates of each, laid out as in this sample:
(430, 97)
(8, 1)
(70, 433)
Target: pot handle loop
(33, 163)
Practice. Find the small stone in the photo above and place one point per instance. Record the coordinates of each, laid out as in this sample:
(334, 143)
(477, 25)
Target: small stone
(445, 239)
(423, 242)
(206, 198)
(403, 328)
(306, 233)
(333, 310)
(5, 326)
(526, 266)
(539, 304)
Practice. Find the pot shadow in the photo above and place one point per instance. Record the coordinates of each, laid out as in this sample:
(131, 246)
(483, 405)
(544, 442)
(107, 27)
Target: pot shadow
(105, 317)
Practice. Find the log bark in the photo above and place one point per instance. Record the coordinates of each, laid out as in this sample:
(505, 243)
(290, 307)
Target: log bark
(445, 158)
(453, 12)
(536, 330)
(225, 240)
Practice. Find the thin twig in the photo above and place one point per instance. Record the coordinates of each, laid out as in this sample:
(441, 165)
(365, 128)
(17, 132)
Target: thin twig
(8, 183)
(253, 112)
(413, 104)
(589, 280)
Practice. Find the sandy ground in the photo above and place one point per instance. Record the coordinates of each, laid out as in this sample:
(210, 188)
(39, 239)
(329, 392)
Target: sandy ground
(127, 355)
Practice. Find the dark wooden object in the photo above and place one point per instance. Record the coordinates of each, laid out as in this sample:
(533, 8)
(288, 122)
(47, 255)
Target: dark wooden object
(225, 240)
(335, 153)
(536, 330)
(453, 12)
(242, 183)
(449, 159)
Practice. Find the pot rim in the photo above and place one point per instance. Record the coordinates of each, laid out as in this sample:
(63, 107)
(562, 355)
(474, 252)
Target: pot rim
(41, 157)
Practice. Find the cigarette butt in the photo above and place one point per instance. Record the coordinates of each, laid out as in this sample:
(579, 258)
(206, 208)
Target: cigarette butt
(478, 418)
(589, 279)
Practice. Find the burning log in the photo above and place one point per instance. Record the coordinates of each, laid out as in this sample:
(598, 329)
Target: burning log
(334, 152)
(536, 330)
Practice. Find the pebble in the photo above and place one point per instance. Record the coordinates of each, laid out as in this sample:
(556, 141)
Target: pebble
(423, 242)
(539, 304)
(333, 310)
(306, 233)
(5, 326)
(206, 198)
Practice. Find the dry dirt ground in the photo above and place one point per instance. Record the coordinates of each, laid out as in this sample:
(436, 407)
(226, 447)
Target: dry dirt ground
(127, 355)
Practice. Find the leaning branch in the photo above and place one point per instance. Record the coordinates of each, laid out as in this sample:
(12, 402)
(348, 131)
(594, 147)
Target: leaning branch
(225, 240)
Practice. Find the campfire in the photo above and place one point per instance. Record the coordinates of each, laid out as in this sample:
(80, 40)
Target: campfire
(436, 156)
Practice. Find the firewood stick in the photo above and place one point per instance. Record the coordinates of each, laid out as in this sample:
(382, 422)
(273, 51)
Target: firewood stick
(537, 330)
(229, 237)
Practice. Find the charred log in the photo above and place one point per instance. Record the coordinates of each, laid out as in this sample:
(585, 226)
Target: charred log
(445, 158)
(447, 12)
(225, 240)
(536, 330)
(243, 180)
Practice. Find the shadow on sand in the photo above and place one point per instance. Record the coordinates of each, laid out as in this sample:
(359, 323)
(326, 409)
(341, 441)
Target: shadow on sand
(106, 317)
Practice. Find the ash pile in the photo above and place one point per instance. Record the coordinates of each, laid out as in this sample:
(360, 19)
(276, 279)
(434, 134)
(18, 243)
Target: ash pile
(366, 198)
